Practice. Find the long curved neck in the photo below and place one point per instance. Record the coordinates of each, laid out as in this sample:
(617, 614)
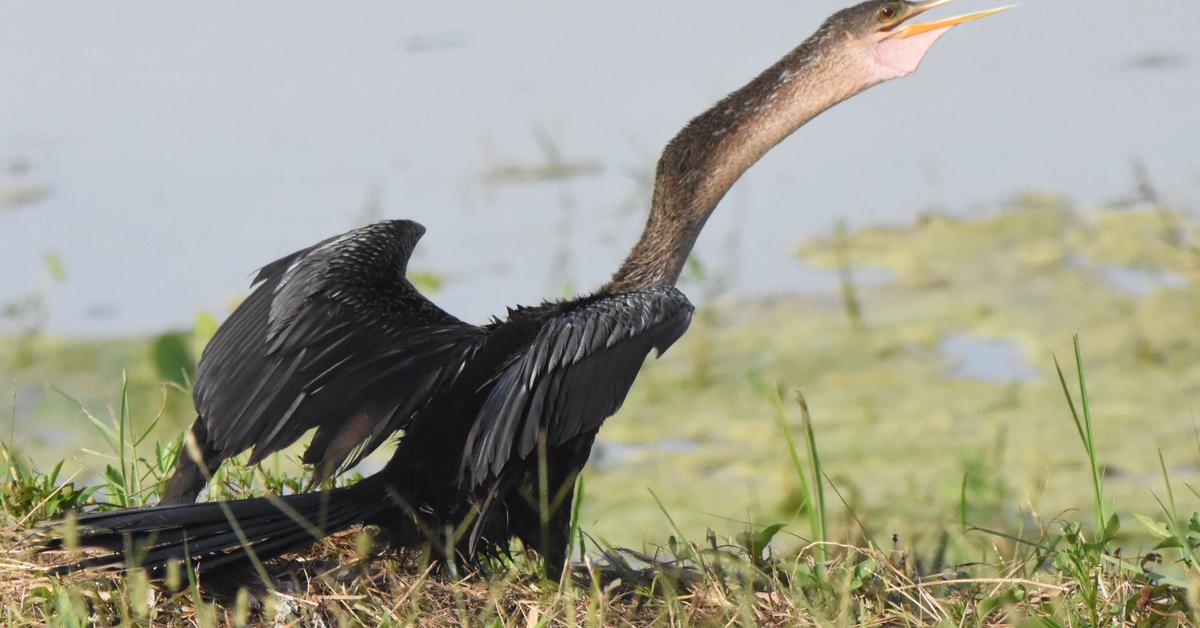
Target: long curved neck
(704, 160)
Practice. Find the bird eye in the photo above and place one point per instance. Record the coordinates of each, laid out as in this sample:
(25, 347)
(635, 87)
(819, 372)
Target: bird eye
(888, 13)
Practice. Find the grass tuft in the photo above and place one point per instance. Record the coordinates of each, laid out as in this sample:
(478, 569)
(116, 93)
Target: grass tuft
(748, 575)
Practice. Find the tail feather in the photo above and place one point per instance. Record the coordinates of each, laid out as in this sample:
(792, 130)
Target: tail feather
(273, 546)
(152, 554)
(218, 534)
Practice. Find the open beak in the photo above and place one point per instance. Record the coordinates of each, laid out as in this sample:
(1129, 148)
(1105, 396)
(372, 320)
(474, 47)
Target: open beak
(910, 30)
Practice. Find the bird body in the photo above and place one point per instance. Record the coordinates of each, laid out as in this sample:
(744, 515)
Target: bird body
(338, 325)
(495, 421)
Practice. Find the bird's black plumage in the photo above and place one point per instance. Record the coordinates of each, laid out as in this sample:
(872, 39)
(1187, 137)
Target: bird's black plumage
(572, 375)
(335, 337)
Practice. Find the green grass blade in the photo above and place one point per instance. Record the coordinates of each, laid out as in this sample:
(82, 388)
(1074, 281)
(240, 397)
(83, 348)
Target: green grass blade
(776, 398)
(817, 509)
(1083, 427)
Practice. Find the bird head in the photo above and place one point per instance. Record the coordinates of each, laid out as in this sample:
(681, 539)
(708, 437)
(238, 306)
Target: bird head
(880, 32)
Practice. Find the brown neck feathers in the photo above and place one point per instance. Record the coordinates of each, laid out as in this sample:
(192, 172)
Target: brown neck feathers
(704, 160)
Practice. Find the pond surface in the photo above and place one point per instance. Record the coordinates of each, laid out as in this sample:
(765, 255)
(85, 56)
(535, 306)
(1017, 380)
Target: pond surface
(994, 360)
(164, 152)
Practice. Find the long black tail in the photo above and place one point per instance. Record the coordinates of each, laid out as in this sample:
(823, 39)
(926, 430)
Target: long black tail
(219, 534)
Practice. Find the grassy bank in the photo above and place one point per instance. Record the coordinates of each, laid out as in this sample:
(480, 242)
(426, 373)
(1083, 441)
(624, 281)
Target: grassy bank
(1066, 571)
(960, 478)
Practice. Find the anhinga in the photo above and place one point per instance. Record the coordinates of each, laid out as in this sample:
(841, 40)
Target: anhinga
(496, 420)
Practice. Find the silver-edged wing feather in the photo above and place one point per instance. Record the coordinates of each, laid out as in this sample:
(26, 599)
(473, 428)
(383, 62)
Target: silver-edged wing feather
(573, 376)
(333, 337)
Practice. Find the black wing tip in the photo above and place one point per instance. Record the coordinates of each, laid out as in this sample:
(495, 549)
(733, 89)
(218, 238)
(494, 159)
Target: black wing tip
(398, 226)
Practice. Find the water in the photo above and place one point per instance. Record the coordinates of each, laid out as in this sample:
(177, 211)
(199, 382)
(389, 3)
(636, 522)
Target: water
(607, 455)
(184, 145)
(994, 360)
(1142, 281)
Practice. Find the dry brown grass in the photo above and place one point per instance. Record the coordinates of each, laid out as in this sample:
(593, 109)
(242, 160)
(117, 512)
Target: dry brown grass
(333, 584)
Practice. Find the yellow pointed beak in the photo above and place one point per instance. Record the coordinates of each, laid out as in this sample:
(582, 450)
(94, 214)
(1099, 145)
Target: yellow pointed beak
(910, 30)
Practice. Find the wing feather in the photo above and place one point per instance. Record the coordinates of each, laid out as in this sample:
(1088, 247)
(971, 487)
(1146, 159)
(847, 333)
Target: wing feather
(574, 375)
(329, 333)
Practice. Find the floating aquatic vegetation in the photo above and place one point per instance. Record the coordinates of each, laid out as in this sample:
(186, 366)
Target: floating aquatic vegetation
(957, 351)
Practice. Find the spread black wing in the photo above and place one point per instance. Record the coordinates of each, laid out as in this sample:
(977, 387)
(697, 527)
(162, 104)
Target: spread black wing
(333, 337)
(573, 376)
